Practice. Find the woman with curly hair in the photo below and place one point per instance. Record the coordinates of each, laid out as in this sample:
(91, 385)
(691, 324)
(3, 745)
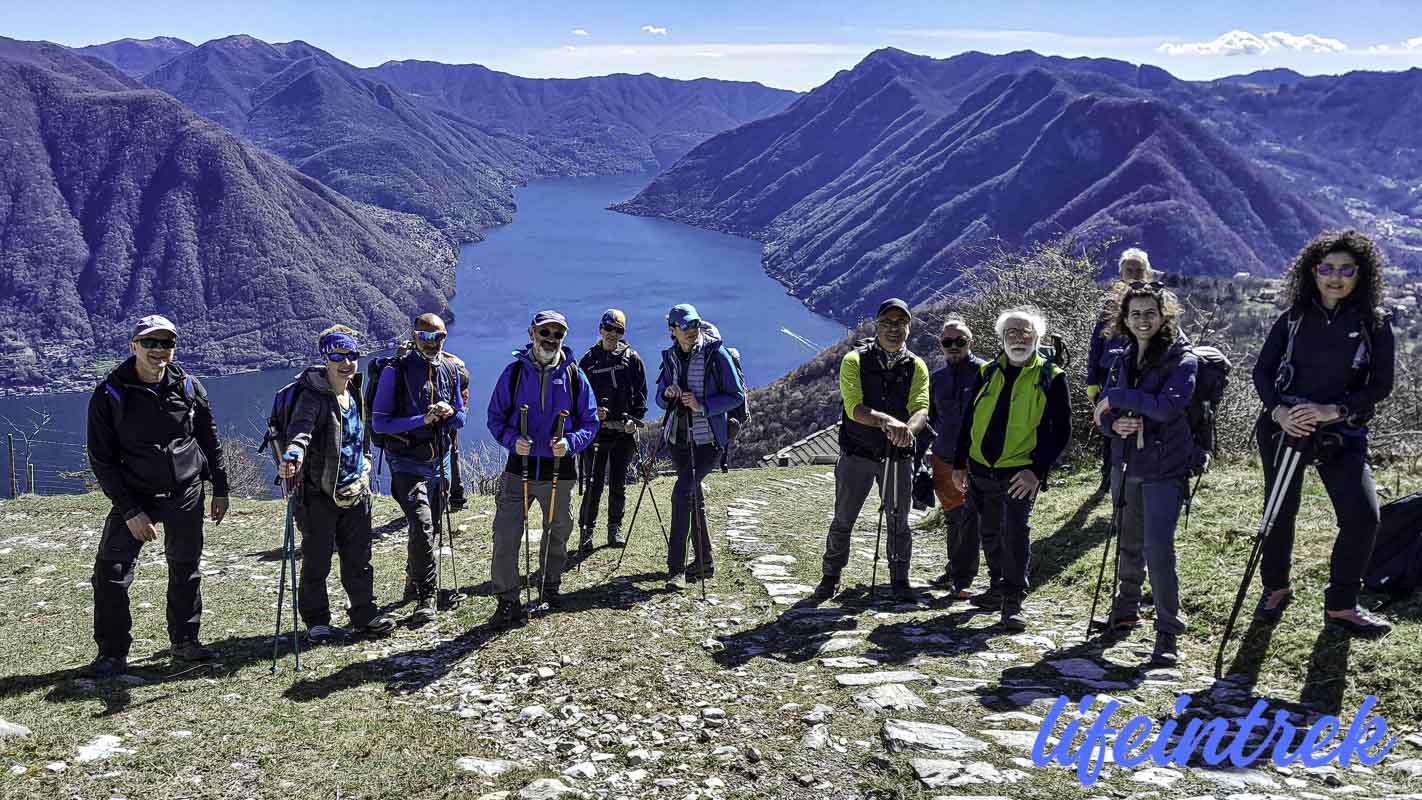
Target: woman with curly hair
(1328, 361)
(1142, 414)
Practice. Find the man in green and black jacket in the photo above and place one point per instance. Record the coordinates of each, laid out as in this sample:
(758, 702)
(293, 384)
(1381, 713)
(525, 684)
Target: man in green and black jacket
(1014, 430)
(884, 387)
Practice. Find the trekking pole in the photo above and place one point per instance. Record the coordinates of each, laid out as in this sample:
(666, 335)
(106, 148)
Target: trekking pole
(1118, 506)
(1287, 458)
(545, 543)
(645, 470)
(288, 554)
(523, 432)
(455, 596)
(879, 528)
(692, 527)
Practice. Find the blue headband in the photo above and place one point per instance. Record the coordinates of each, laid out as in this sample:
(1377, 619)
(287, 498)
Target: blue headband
(334, 341)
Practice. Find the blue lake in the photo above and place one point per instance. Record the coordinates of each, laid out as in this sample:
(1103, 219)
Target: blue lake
(564, 250)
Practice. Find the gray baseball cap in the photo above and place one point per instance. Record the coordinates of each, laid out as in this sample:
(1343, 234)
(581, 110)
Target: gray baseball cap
(153, 323)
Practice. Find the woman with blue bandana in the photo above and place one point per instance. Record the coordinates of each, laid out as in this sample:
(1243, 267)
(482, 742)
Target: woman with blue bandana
(328, 448)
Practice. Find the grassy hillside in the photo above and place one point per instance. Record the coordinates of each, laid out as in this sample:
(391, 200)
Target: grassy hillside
(624, 686)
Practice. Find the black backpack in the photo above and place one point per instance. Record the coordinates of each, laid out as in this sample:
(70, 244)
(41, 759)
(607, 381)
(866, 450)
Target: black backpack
(1210, 382)
(1396, 564)
(284, 405)
(373, 369)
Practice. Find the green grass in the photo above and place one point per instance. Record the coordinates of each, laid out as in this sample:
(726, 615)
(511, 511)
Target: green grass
(389, 717)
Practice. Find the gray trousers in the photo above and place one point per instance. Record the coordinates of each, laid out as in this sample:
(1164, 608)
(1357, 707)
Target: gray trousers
(854, 476)
(508, 531)
(1147, 543)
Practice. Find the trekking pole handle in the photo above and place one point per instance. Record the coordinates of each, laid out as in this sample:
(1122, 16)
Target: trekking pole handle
(560, 424)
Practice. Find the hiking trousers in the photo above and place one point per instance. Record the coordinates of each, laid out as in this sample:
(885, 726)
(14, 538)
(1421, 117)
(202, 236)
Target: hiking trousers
(326, 528)
(963, 543)
(854, 476)
(1349, 482)
(608, 466)
(1147, 545)
(1005, 525)
(508, 532)
(179, 512)
(420, 499)
(688, 486)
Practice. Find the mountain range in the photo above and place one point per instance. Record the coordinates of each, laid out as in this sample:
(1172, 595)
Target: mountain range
(118, 200)
(893, 176)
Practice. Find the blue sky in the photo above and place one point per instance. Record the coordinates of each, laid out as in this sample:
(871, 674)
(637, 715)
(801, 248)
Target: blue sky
(791, 44)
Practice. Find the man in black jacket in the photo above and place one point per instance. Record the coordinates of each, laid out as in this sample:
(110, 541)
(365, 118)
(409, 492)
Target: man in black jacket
(619, 382)
(152, 441)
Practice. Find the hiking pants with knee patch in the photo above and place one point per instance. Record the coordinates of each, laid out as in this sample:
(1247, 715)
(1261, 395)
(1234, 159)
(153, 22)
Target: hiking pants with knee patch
(854, 476)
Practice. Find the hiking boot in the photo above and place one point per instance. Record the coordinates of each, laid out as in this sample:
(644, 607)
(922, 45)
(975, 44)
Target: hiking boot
(1116, 624)
(675, 582)
(424, 611)
(614, 535)
(700, 572)
(318, 634)
(192, 650)
(585, 541)
(1357, 622)
(105, 667)
(942, 581)
(457, 503)
(410, 594)
(826, 589)
(551, 596)
(379, 626)
(1013, 620)
(991, 600)
(902, 592)
(509, 614)
(1166, 652)
(1272, 604)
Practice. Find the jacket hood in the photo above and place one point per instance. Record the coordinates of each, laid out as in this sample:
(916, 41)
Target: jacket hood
(315, 378)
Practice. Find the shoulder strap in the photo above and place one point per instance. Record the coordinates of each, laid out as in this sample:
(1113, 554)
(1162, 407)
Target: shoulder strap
(118, 403)
(513, 384)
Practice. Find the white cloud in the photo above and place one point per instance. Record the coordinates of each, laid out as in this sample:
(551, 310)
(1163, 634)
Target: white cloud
(1024, 38)
(1244, 43)
(710, 54)
(580, 32)
(1408, 47)
(567, 48)
(655, 30)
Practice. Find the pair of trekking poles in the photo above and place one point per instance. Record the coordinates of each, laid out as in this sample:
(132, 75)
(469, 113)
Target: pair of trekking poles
(550, 512)
(291, 490)
(696, 509)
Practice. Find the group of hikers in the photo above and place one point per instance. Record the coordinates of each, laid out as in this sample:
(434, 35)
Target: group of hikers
(994, 428)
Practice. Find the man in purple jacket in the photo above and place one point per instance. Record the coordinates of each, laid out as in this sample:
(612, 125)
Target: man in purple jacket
(417, 406)
(545, 379)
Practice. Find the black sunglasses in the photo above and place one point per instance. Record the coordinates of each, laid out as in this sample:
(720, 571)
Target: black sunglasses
(158, 344)
(614, 329)
(960, 341)
(556, 334)
(336, 358)
(1153, 285)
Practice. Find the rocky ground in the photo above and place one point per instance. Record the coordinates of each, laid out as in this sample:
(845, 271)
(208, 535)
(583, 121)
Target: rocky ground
(638, 690)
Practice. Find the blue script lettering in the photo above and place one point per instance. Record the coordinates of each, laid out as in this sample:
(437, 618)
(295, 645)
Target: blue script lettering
(1089, 757)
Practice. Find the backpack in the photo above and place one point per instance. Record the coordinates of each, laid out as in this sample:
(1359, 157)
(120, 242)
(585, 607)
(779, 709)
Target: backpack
(373, 370)
(574, 381)
(284, 405)
(737, 416)
(1055, 353)
(1210, 382)
(1396, 564)
(188, 397)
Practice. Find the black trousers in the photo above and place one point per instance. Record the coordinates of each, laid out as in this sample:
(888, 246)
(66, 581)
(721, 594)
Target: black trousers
(180, 514)
(607, 465)
(1004, 522)
(326, 528)
(424, 511)
(688, 486)
(1343, 468)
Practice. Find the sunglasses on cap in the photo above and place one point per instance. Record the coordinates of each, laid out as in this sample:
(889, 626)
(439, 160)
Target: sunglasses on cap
(1153, 285)
(1345, 271)
(336, 358)
(954, 341)
(556, 334)
(431, 337)
(152, 343)
(613, 328)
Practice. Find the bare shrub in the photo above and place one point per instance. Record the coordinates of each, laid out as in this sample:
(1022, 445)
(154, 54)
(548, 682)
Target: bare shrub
(481, 466)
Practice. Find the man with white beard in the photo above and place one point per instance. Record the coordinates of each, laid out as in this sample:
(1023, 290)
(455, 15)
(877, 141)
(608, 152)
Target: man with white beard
(542, 411)
(1017, 425)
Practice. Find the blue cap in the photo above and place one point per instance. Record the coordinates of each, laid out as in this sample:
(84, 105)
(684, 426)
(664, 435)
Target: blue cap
(683, 316)
(546, 316)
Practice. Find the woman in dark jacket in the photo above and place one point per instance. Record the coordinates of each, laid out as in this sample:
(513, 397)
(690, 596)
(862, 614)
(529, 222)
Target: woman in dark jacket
(1328, 361)
(1142, 414)
(329, 447)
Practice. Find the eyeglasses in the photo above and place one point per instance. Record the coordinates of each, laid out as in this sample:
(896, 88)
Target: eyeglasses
(158, 344)
(951, 341)
(613, 329)
(1345, 271)
(1154, 286)
(556, 334)
(892, 323)
(430, 337)
(690, 326)
(336, 358)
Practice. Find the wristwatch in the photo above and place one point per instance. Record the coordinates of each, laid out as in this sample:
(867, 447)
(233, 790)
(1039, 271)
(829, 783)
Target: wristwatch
(1343, 413)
